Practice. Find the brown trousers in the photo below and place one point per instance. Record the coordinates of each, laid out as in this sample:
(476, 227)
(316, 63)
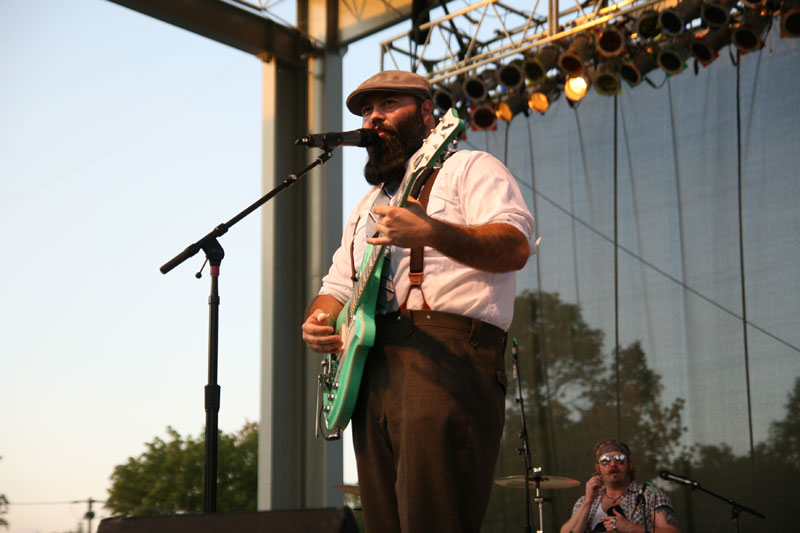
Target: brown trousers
(428, 422)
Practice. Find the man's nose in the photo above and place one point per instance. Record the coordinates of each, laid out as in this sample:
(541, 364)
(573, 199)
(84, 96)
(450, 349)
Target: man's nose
(374, 118)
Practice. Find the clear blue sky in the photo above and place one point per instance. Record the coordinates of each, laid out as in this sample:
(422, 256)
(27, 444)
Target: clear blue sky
(122, 140)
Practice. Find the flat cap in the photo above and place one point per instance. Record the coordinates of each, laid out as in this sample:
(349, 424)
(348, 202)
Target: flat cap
(398, 81)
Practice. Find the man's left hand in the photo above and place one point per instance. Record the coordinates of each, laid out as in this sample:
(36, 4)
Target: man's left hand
(618, 523)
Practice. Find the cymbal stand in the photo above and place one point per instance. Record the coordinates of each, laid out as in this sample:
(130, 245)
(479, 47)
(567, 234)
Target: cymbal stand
(525, 451)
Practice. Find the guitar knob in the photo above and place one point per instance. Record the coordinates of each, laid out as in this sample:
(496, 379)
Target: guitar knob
(336, 385)
(331, 397)
(327, 408)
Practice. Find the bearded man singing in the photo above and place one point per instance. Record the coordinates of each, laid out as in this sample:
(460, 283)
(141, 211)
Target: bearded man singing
(430, 410)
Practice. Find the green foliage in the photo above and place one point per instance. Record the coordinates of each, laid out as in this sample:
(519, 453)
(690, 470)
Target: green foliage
(168, 477)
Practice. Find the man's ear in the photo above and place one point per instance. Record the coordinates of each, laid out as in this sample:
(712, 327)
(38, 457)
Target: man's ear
(427, 113)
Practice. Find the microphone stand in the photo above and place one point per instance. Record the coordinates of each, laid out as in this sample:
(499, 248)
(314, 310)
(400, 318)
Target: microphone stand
(214, 254)
(736, 508)
(525, 451)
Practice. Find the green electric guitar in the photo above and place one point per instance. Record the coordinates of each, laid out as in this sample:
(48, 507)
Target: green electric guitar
(341, 372)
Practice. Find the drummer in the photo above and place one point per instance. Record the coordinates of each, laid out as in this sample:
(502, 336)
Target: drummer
(610, 502)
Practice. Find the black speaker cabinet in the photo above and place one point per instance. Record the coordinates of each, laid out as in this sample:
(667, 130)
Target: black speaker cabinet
(333, 520)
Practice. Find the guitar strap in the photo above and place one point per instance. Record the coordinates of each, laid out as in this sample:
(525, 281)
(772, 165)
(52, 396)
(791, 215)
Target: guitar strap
(415, 267)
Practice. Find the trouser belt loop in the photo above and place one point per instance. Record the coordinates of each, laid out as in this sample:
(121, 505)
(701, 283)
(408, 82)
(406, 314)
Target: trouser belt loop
(475, 333)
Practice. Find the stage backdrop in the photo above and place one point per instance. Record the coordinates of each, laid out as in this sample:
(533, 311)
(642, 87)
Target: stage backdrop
(663, 307)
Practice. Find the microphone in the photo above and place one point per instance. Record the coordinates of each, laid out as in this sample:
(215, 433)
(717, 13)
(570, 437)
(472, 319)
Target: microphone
(640, 496)
(669, 476)
(361, 137)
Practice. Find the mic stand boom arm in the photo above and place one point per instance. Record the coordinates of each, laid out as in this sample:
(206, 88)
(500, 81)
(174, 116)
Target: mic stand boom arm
(214, 254)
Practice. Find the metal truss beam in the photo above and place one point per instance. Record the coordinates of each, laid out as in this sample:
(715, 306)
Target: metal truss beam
(229, 25)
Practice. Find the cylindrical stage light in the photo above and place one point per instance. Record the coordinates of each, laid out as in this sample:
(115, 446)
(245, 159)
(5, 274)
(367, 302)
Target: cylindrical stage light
(512, 105)
(510, 75)
(576, 86)
(790, 18)
(543, 94)
(673, 20)
(476, 88)
(483, 117)
(606, 79)
(706, 44)
(716, 13)
(647, 25)
(748, 36)
(611, 42)
(636, 68)
(579, 51)
(671, 57)
(446, 96)
(537, 66)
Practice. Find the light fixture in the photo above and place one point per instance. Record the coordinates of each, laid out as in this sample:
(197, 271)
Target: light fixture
(716, 13)
(748, 36)
(579, 51)
(605, 78)
(537, 66)
(510, 75)
(634, 70)
(483, 117)
(671, 56)
(541, 95)
(611, 41)
(647, 25)
(576, 86)
(476, 88)
(511, 105)
(708, 42)
(446, 96)
(673, 20)
(790, 18)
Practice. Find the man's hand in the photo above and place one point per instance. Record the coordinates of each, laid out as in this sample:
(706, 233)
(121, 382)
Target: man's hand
(406, 227)
(593, 488)
(318, 335)
(618, 523)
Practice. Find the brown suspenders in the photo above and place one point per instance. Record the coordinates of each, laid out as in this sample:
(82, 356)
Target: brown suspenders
(425, 181)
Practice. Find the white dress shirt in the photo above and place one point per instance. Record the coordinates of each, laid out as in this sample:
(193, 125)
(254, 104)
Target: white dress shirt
(472, 189)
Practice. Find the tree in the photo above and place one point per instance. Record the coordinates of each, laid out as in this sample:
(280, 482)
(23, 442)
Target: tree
(168, 477)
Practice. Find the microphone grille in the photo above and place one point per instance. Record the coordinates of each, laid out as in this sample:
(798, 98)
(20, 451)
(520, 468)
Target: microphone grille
(369, 137)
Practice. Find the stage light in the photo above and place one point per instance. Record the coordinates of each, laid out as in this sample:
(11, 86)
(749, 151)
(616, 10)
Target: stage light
(748, 36)
(611, 41)
(634, 70)
(606, 79)
(476, 88)
(446, 96)
(674, 19)
(543, 94)
(512, 105)
(716, 13)
(576, 86)
(706, 44)
(537, 66)
(579, 51)
(671, 57)
(790, 18)
(510, 76)
(647, 25)
(483, 117)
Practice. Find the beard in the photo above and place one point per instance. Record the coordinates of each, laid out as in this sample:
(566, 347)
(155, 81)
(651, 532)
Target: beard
(386, 163)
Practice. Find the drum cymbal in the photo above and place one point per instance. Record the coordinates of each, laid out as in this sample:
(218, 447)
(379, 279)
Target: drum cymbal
(349, 489)
(548, 482)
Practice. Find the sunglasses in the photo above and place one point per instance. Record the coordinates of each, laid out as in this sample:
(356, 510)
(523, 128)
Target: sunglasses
(620, 459)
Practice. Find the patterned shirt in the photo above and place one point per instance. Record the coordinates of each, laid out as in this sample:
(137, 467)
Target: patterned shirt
(652, 502)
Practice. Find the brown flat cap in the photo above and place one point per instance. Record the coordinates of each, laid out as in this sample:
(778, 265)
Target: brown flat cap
(398, 81)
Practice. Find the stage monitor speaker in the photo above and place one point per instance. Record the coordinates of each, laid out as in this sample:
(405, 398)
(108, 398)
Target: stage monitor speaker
(332, 520)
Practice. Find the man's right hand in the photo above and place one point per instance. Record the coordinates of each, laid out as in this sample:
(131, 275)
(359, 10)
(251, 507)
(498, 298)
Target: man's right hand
(318, 335)
(593, 488)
